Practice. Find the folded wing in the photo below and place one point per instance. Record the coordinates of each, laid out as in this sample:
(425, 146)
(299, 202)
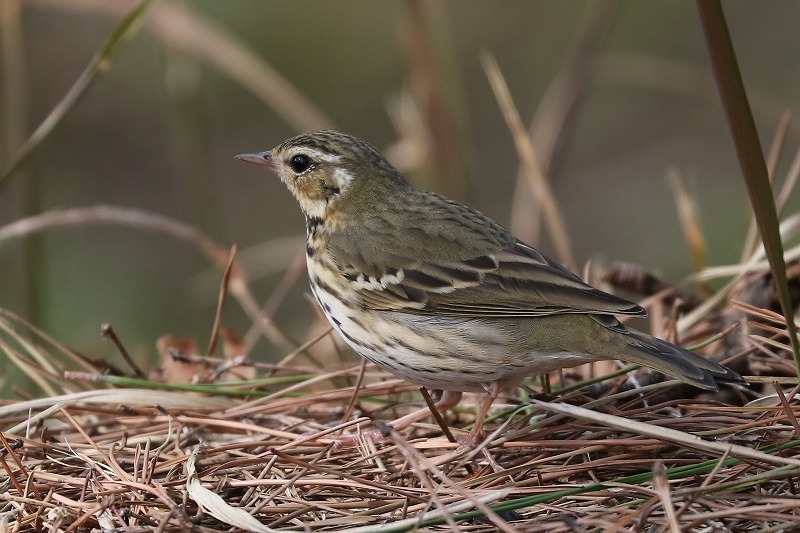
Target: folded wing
(516, 281)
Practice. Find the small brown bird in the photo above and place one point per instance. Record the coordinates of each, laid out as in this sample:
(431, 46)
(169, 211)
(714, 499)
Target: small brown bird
(443, 296)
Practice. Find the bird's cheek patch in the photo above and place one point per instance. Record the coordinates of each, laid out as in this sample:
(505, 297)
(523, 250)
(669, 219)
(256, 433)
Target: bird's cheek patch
(307, 188)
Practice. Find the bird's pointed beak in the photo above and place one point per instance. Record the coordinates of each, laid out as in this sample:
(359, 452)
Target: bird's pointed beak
(259, 158)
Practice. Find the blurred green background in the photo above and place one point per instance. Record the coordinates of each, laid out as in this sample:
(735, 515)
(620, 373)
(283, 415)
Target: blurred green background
(158, 131)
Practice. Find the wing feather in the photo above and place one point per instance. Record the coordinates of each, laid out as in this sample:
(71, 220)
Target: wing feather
(516, 281)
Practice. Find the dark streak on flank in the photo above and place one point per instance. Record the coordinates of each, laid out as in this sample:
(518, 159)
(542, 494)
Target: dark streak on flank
(358, 323)
(358, 342)
(321, 285)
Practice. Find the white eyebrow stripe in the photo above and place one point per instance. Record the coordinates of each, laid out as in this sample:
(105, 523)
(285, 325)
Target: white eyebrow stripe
(318, 155)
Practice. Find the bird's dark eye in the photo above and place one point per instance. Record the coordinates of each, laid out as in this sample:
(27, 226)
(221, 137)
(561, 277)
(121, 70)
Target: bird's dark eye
(300, 163)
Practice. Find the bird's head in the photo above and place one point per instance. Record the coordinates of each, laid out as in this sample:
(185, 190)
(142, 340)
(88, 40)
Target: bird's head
(327, 170)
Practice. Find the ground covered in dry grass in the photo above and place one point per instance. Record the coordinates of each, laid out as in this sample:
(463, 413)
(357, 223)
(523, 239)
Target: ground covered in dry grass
(262, 454)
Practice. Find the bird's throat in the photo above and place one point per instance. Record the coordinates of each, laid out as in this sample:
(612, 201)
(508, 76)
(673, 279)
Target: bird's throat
(314, 225)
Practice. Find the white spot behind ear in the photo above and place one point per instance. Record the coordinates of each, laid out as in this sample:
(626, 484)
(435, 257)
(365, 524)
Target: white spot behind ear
(342, 177)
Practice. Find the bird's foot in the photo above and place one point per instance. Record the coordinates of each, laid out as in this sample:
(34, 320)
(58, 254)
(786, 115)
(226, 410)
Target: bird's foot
(471, 440)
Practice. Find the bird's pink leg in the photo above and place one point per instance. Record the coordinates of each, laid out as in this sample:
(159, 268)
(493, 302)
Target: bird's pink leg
(476, 434)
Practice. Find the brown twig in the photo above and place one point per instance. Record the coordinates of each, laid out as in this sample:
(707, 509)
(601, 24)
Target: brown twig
(223, 292)
(107, 332)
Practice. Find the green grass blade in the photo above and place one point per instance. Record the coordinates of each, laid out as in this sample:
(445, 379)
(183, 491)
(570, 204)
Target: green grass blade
(748, 148)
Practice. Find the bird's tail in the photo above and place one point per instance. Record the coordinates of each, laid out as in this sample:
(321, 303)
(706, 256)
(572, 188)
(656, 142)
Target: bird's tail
(677, 362)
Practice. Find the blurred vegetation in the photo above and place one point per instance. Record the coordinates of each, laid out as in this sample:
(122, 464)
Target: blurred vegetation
(204, 80)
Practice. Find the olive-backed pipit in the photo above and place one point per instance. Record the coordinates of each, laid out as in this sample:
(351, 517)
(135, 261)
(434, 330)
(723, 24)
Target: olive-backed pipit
(441, 295)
